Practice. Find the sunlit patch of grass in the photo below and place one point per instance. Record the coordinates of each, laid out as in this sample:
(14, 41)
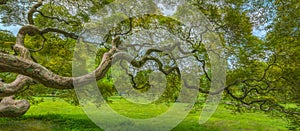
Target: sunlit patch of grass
(224, 120)
(140, 111)
(56, 114)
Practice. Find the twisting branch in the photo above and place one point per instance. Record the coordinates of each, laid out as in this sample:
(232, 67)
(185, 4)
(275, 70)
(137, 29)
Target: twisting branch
(147, 57)
(57, 18)
(143, 61)
(10, 63)
(13, 87)
(134, 84)
(24, 66)
(258, 89)
(203, 67)
(21, 81)
(33, 10)
(66, 34)
(8, 106)
(33, 30)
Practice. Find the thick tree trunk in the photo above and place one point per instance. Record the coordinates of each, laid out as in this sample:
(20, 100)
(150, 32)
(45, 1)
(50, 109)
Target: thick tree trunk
(13, 108)
(28, 71)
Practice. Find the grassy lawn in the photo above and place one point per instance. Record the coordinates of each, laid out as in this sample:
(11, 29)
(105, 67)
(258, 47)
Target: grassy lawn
(59, 115)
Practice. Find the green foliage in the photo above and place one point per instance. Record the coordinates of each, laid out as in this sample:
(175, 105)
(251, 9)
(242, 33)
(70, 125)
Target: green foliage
(7, 41)
(106, 88)
(8, 77)
(67, 21)
(269, 66)
(56, 53)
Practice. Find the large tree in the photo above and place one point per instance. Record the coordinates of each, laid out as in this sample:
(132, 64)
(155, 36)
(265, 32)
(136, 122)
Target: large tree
(260, 75)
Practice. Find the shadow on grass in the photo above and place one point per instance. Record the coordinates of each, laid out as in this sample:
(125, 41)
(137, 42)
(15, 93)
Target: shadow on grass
(62, 122)
(49, 122)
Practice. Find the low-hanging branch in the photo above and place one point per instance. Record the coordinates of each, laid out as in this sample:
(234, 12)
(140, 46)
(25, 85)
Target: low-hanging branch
(10, 63)
(30, 71)
(8, 89)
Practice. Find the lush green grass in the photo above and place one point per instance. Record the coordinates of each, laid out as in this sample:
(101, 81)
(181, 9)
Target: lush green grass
(59, 115)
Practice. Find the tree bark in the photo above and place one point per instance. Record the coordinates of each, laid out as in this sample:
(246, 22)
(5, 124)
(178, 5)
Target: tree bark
(29, 70)
(13, 108)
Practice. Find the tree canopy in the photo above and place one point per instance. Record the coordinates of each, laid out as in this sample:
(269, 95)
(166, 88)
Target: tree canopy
(263, 71)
